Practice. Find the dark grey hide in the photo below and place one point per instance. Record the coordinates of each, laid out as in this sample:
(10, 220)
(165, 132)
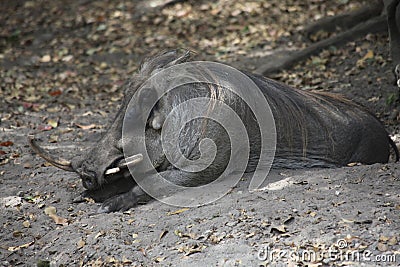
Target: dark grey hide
(313, 130)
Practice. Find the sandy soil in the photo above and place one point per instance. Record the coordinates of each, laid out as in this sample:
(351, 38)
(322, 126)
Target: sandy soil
(331, 217)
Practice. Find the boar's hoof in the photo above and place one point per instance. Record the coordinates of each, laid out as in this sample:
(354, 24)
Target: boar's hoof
(97, 196)
(122, 202)
(81, 197)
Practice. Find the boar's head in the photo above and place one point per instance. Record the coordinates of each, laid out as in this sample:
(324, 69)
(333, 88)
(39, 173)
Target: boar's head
(94, 167)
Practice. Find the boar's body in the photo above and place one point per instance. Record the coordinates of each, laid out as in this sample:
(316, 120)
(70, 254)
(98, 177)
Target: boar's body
(312, 130)
(316, 129)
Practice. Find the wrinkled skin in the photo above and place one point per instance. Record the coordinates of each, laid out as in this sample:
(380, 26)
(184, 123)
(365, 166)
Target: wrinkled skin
(313, 130)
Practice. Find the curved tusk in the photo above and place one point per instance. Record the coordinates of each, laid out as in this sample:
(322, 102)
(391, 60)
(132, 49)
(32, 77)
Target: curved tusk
(57, 162)
(129, 161)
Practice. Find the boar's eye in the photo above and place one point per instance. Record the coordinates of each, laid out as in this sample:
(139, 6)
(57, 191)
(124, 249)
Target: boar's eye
(157, 120)
(120, 144)
(147, 97)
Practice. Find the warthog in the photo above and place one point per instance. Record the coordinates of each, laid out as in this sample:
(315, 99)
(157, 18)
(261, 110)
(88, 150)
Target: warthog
(313, 129)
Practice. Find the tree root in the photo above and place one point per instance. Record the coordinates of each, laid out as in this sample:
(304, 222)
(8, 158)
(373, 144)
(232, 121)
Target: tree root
(394, 31)
(379, 16)
(374, 25)
(345, 21)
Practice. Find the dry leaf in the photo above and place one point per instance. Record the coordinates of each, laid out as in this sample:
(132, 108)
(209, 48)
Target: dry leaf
(159, 259)
(45, 59)
(382, 247)
(392, 241)
(369, 55)
(111, 260)
(86, 127)
(81, 243)
(367, 221)
(6, 143)
(250, 234)
(42, 263)
(361, 62)
(192, 249)
(280, 228)
(101, 233)
(44, 128)
(17, 234)
(59, 220)
(163, 233)
(27, 165)
(126, 261)
(12, 249)
(178, 233)
(51, 212)
(347, 221)
(67, 58)
(337, 204)
(53, 138)
(55, 93)
(52, 123)
(11, 201)
(289, 220)
(177, 211)
(383, 238)
(143, 251)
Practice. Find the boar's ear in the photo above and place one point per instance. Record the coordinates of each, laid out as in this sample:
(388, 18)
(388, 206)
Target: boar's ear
(153, 65)
(146, 97)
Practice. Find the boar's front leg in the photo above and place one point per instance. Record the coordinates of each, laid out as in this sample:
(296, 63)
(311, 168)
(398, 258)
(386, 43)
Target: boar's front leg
(107, 191)
(136, 195)
(124, 201)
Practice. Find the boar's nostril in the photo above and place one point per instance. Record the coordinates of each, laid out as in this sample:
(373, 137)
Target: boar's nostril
(88, 178)
(88, 181)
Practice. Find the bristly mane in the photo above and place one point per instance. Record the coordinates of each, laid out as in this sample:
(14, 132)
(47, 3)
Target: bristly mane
(164, 60)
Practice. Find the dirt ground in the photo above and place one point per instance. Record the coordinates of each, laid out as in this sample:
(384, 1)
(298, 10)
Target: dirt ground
(61, 65)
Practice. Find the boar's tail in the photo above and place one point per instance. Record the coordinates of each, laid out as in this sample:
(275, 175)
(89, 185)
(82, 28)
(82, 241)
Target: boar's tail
(396, 150)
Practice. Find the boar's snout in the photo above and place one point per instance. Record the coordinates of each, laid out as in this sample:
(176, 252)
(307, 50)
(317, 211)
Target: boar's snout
(88, 175)
(92, 167)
